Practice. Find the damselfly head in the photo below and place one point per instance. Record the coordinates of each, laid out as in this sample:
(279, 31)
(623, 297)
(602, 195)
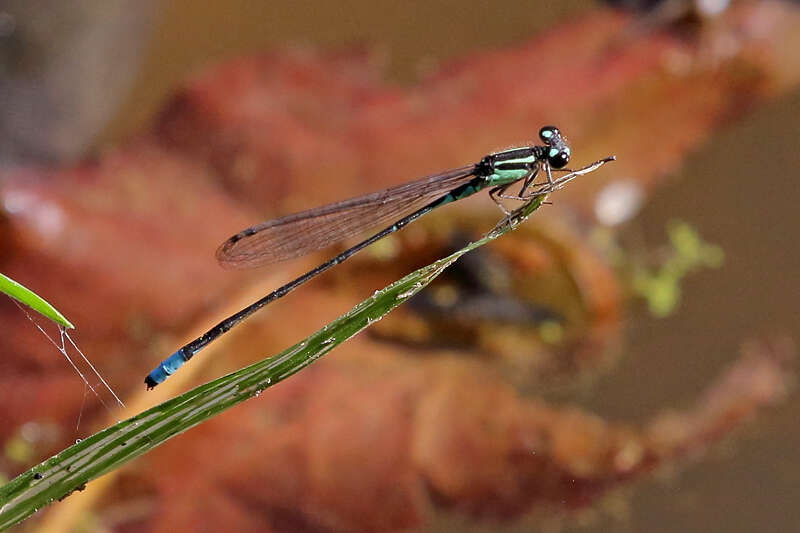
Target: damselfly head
(558, 151)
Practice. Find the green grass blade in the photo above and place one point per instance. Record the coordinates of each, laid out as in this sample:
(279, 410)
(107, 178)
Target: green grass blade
(26, 296)
(90, 458)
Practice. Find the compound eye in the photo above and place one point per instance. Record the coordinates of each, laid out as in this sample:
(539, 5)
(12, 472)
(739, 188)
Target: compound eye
(548, 134)
(558, 158)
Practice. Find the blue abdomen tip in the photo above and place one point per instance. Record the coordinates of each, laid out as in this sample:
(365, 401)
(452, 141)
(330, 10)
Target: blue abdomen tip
(167, 367)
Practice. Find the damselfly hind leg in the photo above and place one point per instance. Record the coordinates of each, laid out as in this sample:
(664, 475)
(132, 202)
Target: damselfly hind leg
(529, 181)
(541, 191)
(496, 193)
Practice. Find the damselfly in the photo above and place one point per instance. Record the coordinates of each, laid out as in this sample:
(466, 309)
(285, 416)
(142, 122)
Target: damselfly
(302, 233)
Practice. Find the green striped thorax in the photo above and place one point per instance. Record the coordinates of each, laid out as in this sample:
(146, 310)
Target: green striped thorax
(512, 165)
